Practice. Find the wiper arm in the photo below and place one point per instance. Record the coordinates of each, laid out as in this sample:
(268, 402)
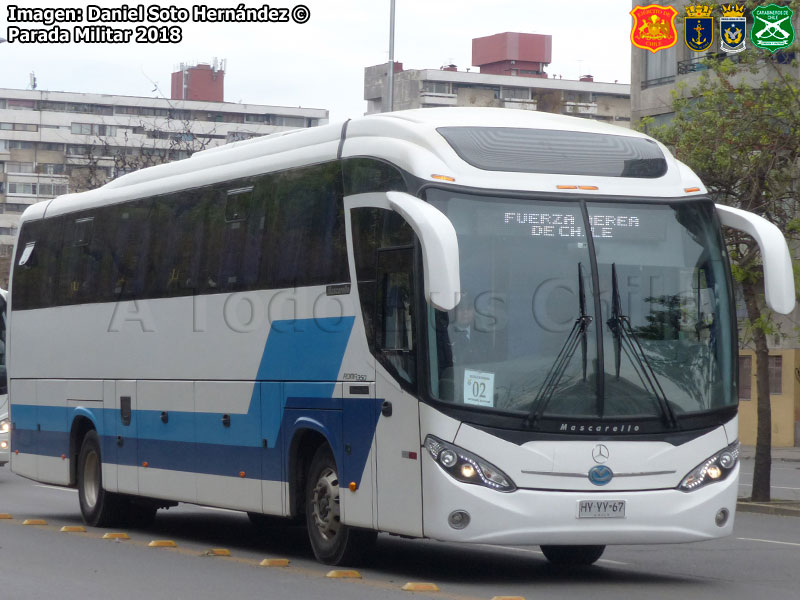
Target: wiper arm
(553, 378)
(626, 340)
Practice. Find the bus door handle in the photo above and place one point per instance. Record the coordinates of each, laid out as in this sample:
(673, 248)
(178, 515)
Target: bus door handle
(386, 408)
(125, 409)
(226, 420)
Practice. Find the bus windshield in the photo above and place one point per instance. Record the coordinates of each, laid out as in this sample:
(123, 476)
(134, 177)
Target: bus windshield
(633, 322)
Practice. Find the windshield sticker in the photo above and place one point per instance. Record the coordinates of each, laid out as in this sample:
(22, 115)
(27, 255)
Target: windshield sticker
(478, 388)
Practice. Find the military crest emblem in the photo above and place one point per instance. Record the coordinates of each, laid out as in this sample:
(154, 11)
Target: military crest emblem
(698, 27)
(772, 27)
(732, 28)
(654, 27)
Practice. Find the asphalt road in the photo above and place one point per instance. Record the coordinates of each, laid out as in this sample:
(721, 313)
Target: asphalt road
(39, 561)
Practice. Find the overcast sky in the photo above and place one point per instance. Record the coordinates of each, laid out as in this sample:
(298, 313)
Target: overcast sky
(321, 64)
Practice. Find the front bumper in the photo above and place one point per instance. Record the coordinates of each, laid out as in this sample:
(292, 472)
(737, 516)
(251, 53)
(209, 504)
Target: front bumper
(550, 517)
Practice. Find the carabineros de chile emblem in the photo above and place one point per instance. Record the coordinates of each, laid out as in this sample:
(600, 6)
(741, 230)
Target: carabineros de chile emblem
(698, 27)
(772, 27)
(654, 27)
(732, 28)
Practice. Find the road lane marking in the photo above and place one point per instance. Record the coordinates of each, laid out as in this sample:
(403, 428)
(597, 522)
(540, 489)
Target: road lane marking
(769, 541)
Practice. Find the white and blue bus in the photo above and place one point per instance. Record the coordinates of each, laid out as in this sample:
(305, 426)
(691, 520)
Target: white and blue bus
(473, 325)
(5, 423)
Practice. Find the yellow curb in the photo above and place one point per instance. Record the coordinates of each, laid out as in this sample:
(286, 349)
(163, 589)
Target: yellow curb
(162, 544)
(5, 516)
(116, 536)
(34, 522)
(218, 552)
(342, 574)
(420, 587)
(73, 529)
(274, 562)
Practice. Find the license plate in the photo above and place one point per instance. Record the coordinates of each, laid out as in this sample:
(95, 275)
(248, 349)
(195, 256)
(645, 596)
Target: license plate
(601, 509)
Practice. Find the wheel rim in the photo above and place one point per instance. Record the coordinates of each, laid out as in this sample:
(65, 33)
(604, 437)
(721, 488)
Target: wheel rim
(325, 504)
(91, 478)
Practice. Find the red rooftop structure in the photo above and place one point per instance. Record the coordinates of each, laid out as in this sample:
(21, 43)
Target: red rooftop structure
(522, 54)
(199, 82)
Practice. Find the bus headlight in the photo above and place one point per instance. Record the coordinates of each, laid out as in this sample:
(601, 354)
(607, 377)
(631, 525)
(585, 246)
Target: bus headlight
(467, 467)
(716, 468)
(5, 425)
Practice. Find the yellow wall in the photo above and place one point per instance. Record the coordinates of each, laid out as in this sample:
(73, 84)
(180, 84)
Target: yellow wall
(785, 406)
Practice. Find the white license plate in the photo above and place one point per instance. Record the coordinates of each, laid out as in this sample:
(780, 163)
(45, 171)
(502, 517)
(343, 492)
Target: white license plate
(601, 509)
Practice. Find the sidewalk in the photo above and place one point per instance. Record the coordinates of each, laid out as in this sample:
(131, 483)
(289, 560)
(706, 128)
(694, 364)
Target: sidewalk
(786, 508)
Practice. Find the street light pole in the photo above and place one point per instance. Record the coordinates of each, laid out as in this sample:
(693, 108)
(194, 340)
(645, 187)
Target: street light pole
(390, 78)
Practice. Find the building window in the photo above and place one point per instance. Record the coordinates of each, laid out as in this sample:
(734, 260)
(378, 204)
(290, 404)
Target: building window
(745, 377)
(93, 129)
(775, 375)
(436, 87)
(516, 93)
(660, 68)
(22, 188)
(19, 145)
(19, 167)
(15, 104)
(18, 127)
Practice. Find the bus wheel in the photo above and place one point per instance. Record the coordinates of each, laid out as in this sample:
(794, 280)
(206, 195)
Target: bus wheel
(573, 556)
(98, 507)
(332, 541)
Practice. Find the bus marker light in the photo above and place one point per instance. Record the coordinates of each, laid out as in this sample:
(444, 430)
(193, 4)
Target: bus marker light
(116, 536)
(352, 486)
(566, 187)
(443, 178)
(162, 544)
(5, 516)
(242, 474)
(588, 187)
(145, 464)
(343, 574)
(63, 456)
(416, 586)
(34, 522)
(73, 529)
(274, 562)
(409, 454)
(218, 552)
(691, 189)
(3, 445)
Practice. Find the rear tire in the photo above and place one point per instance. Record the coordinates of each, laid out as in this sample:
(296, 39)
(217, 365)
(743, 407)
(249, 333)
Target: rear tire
(333, 542)
(98, 507)
(573, 556)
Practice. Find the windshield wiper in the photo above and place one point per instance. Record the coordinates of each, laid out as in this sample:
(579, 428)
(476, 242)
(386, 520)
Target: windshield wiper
(553, 378)
(625, 340)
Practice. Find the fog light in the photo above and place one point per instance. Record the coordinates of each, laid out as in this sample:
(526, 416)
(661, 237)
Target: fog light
(468, 471)
(4, 445)
(458, 519)
(722, 517)
(714, 472)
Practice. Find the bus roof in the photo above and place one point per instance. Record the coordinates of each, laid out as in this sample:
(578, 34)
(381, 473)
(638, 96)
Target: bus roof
(409, 139)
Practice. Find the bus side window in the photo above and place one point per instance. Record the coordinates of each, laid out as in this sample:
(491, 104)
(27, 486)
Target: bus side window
(396, 312)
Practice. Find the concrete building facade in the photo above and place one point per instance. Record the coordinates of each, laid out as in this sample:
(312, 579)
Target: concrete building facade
(654, 79)
(52, 143)
(511, 76)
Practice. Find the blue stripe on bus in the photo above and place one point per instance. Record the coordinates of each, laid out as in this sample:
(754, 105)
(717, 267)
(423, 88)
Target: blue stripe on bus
(299, 367)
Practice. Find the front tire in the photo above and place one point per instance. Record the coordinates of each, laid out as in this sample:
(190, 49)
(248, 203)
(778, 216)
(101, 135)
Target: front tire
(333, 542)
(573, 556)
(98, 507)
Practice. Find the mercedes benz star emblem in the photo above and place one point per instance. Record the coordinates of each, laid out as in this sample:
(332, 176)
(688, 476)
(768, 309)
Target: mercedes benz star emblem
(600, 454)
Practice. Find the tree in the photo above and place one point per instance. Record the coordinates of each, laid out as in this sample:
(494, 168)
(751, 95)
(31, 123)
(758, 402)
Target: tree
(738, 128)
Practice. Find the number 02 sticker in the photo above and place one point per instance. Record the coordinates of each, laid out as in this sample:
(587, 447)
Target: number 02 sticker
(478, 388)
